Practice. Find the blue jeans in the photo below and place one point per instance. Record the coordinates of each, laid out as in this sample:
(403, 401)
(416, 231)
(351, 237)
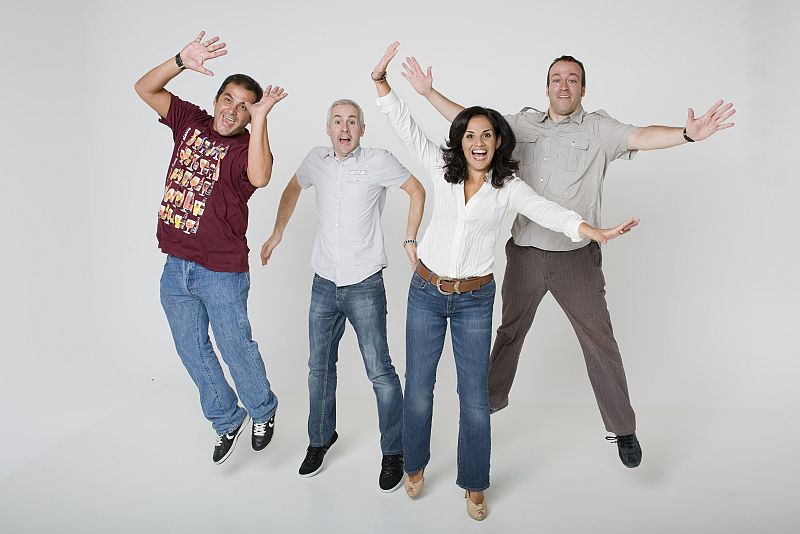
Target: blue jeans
(194, 297)
(364, 305)
(470, 317)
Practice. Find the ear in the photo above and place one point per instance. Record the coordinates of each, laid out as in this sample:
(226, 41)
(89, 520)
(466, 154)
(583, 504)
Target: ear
(498, 143)
(583, 91)
(363, 128)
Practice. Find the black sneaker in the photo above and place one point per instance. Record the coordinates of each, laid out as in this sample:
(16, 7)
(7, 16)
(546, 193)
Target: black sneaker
(312, 464)
(630, 452)
(225, 443)
(391, 472)
(262, 433)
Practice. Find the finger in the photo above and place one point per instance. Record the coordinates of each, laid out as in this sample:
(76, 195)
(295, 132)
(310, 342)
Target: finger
(206, 71)
(714, 107)
(725, 116)
(430, 72)
(199, 36)
(416, 65)
(690, 116)
(217, 54)
(217, 46)
(211, 41)
(406, 76)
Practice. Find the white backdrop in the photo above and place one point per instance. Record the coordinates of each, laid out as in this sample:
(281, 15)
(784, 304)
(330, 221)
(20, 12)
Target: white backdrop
(702, 294)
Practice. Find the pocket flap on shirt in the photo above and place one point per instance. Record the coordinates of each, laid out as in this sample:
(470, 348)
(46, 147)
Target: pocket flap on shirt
(527, 137)
(575, 142)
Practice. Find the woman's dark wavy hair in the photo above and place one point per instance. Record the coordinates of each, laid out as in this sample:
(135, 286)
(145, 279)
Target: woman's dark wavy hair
(455, 163)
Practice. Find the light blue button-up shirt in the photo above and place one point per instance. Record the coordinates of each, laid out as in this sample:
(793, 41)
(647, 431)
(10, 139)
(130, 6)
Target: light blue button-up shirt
(350, 197)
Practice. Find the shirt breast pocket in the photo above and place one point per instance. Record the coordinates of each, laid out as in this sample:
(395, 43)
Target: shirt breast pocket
(573, 152)
(358, 186)
(524, 151)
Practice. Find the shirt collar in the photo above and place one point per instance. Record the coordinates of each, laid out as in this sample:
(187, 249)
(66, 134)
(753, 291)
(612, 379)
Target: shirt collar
(576, 116)
(354, 154)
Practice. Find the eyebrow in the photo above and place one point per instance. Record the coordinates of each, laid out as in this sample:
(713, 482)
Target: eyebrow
(484, 131)
(343, 117)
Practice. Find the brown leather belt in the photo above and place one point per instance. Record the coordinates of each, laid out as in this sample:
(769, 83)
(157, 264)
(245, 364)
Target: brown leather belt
(448, 286)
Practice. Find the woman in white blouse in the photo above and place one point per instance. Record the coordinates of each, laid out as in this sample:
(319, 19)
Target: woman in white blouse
(474, 188)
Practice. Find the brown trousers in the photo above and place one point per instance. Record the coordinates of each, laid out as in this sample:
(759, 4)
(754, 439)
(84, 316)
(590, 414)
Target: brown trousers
(575, 278)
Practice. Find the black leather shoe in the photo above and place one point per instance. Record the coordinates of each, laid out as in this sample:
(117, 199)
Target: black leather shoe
(391, 472)
(262, 433)
(630, 452)
(312, 464)
(225, 443)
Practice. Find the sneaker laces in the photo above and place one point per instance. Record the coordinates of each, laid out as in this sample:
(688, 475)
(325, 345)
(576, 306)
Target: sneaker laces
(260, 429)
(622, 441)
(390, 465)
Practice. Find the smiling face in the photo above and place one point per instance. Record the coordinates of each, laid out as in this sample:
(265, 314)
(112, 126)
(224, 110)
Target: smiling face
(230, 114)
(345, 129)
(564, 89)
(479, 143)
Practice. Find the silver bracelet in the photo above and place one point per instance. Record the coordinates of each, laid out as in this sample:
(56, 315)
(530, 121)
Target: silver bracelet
(409, 242)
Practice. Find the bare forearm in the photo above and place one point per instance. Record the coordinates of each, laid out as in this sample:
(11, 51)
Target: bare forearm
(259, 156)
(416, 208)
(286, 206)
(444, 105)
(151, 86)
(655, 137)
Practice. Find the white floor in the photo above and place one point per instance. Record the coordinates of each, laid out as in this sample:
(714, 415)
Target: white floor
(148, 468)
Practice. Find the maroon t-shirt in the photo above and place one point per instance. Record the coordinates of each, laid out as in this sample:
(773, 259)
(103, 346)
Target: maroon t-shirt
(203, 214)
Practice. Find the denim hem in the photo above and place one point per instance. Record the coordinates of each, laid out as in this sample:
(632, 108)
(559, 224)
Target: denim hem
(484, 488)
(388, 453)
(414, 471)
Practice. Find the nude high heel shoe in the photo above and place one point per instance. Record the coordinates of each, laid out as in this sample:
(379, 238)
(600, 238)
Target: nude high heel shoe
(413, 489)
(475, 511)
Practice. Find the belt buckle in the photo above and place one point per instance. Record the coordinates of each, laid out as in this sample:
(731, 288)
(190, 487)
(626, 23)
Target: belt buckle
(456, 283)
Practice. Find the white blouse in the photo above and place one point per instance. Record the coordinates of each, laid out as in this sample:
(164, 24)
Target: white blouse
(460, 239)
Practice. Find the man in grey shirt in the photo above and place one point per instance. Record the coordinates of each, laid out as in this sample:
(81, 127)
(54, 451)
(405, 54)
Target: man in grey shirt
(564, 154)
(348, 259)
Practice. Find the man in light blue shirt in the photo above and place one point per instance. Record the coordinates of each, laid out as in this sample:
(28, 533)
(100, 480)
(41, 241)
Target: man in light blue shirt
(348, 259)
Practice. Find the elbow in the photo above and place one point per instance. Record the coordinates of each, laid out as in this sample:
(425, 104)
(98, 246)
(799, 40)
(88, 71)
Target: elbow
(260, 181)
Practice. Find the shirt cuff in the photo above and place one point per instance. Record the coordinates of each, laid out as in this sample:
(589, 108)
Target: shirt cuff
(386, 102)
(572, 230)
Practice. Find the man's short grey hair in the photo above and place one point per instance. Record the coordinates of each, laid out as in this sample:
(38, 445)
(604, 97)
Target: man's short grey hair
(346, 101)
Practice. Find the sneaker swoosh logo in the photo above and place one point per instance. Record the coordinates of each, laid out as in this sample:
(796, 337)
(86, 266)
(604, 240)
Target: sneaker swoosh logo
(271, 424)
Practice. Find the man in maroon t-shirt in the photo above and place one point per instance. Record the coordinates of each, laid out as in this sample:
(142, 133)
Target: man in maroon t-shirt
(215, 168)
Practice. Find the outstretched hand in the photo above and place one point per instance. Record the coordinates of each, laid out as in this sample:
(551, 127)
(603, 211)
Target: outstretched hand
(197, 52)
(380, 69)
(422, 82)
(713, 121)
(603, 235)
(272, 95)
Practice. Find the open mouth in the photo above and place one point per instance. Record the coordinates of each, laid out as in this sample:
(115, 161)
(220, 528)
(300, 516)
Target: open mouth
(228, 121)
(344, 140)
(479, 154)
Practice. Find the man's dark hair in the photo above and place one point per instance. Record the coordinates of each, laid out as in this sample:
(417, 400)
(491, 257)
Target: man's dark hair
(242, 80)
(455, 163)
(569, 59)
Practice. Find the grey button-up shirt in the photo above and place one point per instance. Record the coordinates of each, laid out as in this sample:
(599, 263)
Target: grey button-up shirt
(350, 197)
(565, 162)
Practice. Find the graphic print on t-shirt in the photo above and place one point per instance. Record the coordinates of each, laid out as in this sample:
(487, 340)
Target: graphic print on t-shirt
(192, 176)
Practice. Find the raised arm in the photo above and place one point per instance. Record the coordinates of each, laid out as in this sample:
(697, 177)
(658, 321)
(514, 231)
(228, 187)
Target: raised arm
(399, 117)
(151, 86)
(285, 209)
(259, 156)
(416, 206)
(697, 129)
(422, 82)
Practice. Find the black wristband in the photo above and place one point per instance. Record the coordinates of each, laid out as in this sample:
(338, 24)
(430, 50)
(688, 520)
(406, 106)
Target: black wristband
(382, 78)
(179, 63)
(686, 136)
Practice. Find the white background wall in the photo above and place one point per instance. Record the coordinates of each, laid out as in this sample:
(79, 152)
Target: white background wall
(702, 295)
